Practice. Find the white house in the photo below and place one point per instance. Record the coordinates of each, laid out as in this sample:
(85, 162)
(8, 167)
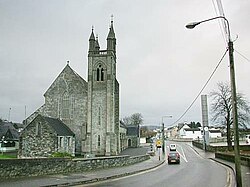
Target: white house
(190, 133)
(194, 133)
(214, 133)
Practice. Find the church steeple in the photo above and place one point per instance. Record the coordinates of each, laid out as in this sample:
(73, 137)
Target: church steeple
(97, 46)
(92, 41)
(111, 40)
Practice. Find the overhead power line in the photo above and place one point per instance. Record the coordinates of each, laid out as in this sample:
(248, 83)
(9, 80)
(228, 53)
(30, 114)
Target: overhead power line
(247, 59)
(210, 77)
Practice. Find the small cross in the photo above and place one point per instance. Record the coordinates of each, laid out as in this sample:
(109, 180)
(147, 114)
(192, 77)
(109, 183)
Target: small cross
(112, 18)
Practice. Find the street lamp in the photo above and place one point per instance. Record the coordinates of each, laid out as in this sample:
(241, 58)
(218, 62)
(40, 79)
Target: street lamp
(163, 139)
(233, 94)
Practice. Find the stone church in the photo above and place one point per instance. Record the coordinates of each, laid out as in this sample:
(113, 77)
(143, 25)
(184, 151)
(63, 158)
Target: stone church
(89, 108)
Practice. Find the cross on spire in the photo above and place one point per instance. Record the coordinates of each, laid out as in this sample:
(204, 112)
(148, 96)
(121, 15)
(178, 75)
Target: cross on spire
(112, 18)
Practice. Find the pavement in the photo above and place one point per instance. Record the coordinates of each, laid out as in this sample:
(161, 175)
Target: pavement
(74, 179)
(245, 171)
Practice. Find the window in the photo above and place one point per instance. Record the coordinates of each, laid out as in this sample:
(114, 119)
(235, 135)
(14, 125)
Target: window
(60, 142)
(38, 129)
(99, 141)
(65, 106)
(100, 73)
(68, 141)
(99, 116)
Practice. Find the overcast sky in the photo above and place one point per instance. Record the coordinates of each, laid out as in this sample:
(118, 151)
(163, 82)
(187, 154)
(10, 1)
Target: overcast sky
(161, 65)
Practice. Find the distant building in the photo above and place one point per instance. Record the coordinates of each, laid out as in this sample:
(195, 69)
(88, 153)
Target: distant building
(133, 135)
(172, 132)
(123, 136)
(9, 137)
(189, 133)
(192, 133)
(215, 133)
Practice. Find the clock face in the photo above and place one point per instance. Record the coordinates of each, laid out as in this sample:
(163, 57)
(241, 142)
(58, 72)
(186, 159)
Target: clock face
(206, 128)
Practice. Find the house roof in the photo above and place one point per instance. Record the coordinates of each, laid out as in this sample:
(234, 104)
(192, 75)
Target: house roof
(132, 130)
(9, 132)
(191, 129)
(60, 128)
(214, 131)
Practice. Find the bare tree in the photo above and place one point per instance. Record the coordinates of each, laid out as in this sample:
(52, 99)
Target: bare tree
(134, 119)
(221, 109)
(127, 120)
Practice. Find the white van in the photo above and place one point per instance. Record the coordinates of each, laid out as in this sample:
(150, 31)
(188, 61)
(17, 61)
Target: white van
(172, 147)
(248, 139)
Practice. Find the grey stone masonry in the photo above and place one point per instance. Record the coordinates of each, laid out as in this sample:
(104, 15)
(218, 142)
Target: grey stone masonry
(66, 99)
(14, 168)
(41, 138)
(103, 98)
(90, 109)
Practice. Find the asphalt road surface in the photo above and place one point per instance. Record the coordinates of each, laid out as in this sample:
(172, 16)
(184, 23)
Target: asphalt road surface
(191, 172)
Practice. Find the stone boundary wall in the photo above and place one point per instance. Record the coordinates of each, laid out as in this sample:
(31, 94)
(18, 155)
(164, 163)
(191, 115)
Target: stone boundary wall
(182, 139)
(218, 148)
(245, 160)
(15, 168)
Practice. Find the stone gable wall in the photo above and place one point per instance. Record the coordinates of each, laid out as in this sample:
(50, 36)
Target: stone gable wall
(33, 145)
(66, 99)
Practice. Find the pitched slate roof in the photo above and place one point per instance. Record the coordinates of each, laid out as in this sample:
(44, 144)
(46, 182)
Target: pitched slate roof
(214, 131)
(8, 131)
(60, 128)
(192, 129)
(132, 130)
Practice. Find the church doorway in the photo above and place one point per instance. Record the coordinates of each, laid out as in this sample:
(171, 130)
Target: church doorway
(129, 143)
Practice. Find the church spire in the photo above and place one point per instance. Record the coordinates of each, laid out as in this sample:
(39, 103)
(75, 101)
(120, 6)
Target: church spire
(97, 46)
(111, 34)
(92, 41)
(111, 40)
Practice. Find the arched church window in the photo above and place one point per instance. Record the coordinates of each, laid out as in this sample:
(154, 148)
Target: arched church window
(100, 73)
(65, 106)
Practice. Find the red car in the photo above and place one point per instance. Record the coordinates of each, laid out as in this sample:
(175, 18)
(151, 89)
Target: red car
(173, 157)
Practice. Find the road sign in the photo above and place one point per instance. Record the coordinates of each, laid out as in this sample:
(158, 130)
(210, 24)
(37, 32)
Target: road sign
(158, 143)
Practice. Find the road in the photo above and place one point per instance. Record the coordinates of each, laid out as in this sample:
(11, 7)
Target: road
(192, 171)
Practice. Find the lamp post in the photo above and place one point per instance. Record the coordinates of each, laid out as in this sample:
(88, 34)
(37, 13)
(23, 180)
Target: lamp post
(234, 99)
(163, 139)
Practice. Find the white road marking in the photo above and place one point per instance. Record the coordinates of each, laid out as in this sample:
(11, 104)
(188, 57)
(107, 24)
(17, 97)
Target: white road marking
(195, 152)
(183, 154)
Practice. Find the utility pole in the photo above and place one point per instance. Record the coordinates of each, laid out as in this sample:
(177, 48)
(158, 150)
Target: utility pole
(9, 115)
(235, 116)
(234, 97)
(163, 134)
